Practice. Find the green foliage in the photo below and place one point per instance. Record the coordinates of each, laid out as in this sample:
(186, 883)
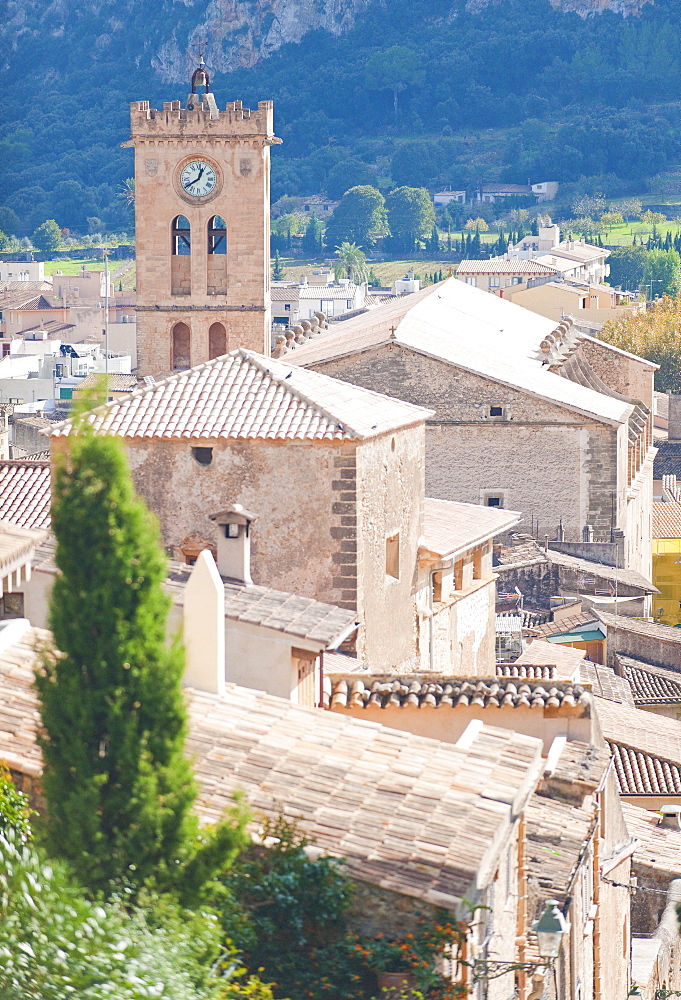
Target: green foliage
(312, 237)
(359, 218)
(47, 237)
(661, 273)
(278, 272)
(411, 216)
(652, 334)
(351, 263)
(119, 788)
(626, 267)
(346, 174)
(393, 69)
(15, 811)
(55, 943)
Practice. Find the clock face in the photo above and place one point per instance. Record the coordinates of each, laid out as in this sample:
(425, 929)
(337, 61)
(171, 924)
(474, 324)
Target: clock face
(198, 179)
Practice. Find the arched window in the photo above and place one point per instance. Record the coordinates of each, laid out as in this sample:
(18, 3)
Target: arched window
(181, 346)
(217, 235)
(217, 341)
(182, 237)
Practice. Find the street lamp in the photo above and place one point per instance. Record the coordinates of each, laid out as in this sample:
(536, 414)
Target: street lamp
(550, 929)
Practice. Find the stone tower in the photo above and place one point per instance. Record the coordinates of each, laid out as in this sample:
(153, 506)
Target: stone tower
(202, 217)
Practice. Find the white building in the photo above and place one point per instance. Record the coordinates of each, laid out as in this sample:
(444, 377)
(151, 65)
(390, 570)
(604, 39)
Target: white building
(292, 302)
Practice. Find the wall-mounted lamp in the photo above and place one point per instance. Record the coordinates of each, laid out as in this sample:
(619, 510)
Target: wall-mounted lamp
(550, 929)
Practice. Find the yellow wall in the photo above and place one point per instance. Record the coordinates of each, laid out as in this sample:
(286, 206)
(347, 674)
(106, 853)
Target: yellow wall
(667, 579)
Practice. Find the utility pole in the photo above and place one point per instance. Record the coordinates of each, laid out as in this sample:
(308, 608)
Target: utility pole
(105, 254)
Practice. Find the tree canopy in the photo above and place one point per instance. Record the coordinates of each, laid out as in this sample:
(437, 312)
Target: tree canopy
(359, 218)
(652, 334)
(411, 216)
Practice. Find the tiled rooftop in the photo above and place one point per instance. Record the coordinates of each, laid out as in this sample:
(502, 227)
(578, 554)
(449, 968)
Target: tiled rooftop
(450, 527)
(275, 609)
(650, 685)
(25, 496)
(246, 395)
(502, 265)
(451, 692)
(638, 626)
(641, 773)
(116, 383)
(529, 553)
(658, 847)
(647, 742)
(474, 331)
(16, 544)
(407, 813)
(666, 519)
(667, 462)
(606, 684)
(565, 659)
(565, 625)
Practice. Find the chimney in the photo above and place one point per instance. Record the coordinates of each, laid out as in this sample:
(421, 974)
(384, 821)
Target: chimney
(670, 817)
(204, 626)
(588, 533)
(234, 543)
(674, 419)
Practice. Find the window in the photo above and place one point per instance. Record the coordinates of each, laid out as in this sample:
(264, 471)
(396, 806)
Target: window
(494, 281)
(182, 239)
(492, 501)
(437, 587)
(392, 556)
(471, 281)
(181, 346)
(204, 456)
(217, 235)
(517, 281)
(217, 341)
(477, 564)
(496, 411)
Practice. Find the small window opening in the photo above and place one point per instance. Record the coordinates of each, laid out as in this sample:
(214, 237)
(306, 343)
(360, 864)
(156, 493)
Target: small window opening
(204, 456)
(492, 501)
(496, 411)
(182, 238)
(437, 587)
(217, 235)
(477, 564)
(392, 556)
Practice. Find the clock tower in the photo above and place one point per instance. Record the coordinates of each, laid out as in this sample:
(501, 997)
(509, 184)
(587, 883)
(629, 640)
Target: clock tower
(202, 221)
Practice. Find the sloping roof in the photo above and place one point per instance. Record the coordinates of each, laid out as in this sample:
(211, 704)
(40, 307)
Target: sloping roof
(115, 383)
(471, 330)
(410, 814)
(566, 660)
(566, 625)
(16, 543)
(275, 609)
(449, 692)
(650, 685)
(504, 265)
(606, 683)
(579, 250)
(638, 626)
(641, 773)
(25, 494)
(651, 737)
(659, 847)
(285, 293)
(668, 459)
(246, 395)
(450, 526)
(666, 519)
(37, 302)
(626, 577)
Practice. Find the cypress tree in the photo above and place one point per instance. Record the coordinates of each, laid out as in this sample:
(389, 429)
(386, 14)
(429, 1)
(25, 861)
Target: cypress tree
(118, 786)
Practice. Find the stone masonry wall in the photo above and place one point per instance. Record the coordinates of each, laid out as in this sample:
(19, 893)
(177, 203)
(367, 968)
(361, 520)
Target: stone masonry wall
(623, 372)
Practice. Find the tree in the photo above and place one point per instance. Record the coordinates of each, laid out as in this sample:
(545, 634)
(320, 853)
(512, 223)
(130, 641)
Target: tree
(411, 215)
(610, 219)
(127, 192)
(118, 786)
(587, 205)
(312, 237)
(652, 334)
(351, 263)
(626, 267)
(476, 225)
(359, 218)
(15, 811)
(661, 273)
(47, 237)
(55, 943)
(278, 272)
(393, 69)
(346, 174)
(630, 208)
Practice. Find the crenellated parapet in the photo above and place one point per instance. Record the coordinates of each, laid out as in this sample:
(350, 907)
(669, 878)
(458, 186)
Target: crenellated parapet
(202, 116)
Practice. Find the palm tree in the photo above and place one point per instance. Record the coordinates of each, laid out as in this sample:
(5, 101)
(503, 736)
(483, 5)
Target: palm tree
(128, 191)
(352, 263)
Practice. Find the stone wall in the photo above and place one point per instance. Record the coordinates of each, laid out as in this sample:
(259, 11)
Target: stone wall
(625, 373)
(648, 648)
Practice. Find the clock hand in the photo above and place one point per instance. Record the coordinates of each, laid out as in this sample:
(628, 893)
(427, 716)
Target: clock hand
(198, 177)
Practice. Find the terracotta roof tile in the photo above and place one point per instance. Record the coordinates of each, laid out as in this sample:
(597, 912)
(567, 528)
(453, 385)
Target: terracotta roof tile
(648, 745)
(25, 496)
(659, 847)
(502, 265)
(638, 626)
(668, 459)
(566, 625)
(408, 813)
(245, 395)
(605, 683)
(450, 526)
(666, 519)
(449, 692)
(650, 685)
(641, 773)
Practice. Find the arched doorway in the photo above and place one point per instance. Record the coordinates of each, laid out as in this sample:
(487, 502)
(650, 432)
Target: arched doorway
(217, 341)
(181, 346)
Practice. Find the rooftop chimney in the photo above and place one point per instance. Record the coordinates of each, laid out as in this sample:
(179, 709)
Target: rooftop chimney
(674, 430)
(670, 817)
(234, 542)
(204, 626)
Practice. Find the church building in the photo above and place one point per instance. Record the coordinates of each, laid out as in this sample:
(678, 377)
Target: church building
(202, 218)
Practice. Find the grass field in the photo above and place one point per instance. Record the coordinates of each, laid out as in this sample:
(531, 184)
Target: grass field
(72, 266)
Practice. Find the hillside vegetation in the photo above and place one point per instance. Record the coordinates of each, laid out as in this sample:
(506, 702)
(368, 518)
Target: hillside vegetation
(417, 93)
